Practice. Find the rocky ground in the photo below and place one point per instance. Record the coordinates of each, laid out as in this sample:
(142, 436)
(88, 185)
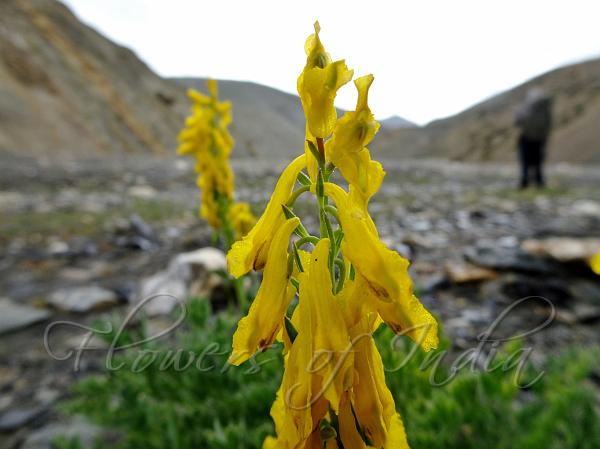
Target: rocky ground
(78, 241)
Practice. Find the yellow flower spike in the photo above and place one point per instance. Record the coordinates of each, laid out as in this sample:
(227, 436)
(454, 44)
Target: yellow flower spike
(258, 329)
(251, 251)
(385, 271)
(333, 392)
(318, 85)
(207, 138)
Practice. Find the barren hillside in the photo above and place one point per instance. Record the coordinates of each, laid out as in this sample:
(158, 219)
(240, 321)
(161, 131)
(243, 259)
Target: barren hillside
(486, 132)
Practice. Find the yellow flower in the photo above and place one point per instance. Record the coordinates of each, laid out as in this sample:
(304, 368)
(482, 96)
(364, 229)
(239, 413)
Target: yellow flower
(258, 329)
(318, 85)
(595, 263)
(347, 146)
(251, 252)
(385, 272)
(241, 218)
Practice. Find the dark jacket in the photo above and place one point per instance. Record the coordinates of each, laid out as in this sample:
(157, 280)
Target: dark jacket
(534, 116)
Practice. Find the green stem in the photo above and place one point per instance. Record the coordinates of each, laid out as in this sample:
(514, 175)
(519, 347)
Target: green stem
(229, 239)
(295, 194)
(308, 239)
(342, 267)
(333, 211)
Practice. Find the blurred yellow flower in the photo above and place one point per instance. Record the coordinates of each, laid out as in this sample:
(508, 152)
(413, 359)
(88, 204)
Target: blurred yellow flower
(206, 137)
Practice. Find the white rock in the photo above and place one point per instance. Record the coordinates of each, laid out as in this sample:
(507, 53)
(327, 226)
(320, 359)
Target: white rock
(188, 274)
(563, 249)
(586, 207)
(142, 191)
(82, 299)
(15, 316)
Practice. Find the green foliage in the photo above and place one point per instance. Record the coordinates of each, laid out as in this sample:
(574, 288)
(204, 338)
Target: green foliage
(488, 409)
(183, 394)
(213, 405)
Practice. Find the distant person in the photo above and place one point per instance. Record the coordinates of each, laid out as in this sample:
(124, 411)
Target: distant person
(534, 119)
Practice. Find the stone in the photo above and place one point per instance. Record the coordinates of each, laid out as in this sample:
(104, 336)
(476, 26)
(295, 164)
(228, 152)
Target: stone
(586, 313)
(14, 316)
(563, 249)
(57, 248)
(135, 233)
(77, 428)
(188, 275)
(586, 208)
(553, 290)
(13, 419)
(461, 272)
(507, 259)
(82, 299)
(142, 191)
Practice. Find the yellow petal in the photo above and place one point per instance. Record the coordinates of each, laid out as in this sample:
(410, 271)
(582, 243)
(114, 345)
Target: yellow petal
(396, 438)
(349, 434)
(371, 395)
(211, 84)
(385, 271)
(595, 263)
(198, 97)
(251, 252)
(320, 316)
(258, 329)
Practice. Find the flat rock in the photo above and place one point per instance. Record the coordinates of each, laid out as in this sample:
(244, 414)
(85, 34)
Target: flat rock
(15, 418)
(15, 316)
(461, 272)
(586, 313)
(42, 438)
(82, 299)
(507, 259)
(563, 249)
(554, 290)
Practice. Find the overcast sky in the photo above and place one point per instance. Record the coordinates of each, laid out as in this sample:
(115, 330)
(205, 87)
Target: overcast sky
(430, 58)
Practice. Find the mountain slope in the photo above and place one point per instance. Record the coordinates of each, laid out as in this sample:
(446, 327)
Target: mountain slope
(486, 132)
(66, 88)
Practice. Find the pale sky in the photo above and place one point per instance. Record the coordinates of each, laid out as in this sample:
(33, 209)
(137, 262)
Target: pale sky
(430, 58)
